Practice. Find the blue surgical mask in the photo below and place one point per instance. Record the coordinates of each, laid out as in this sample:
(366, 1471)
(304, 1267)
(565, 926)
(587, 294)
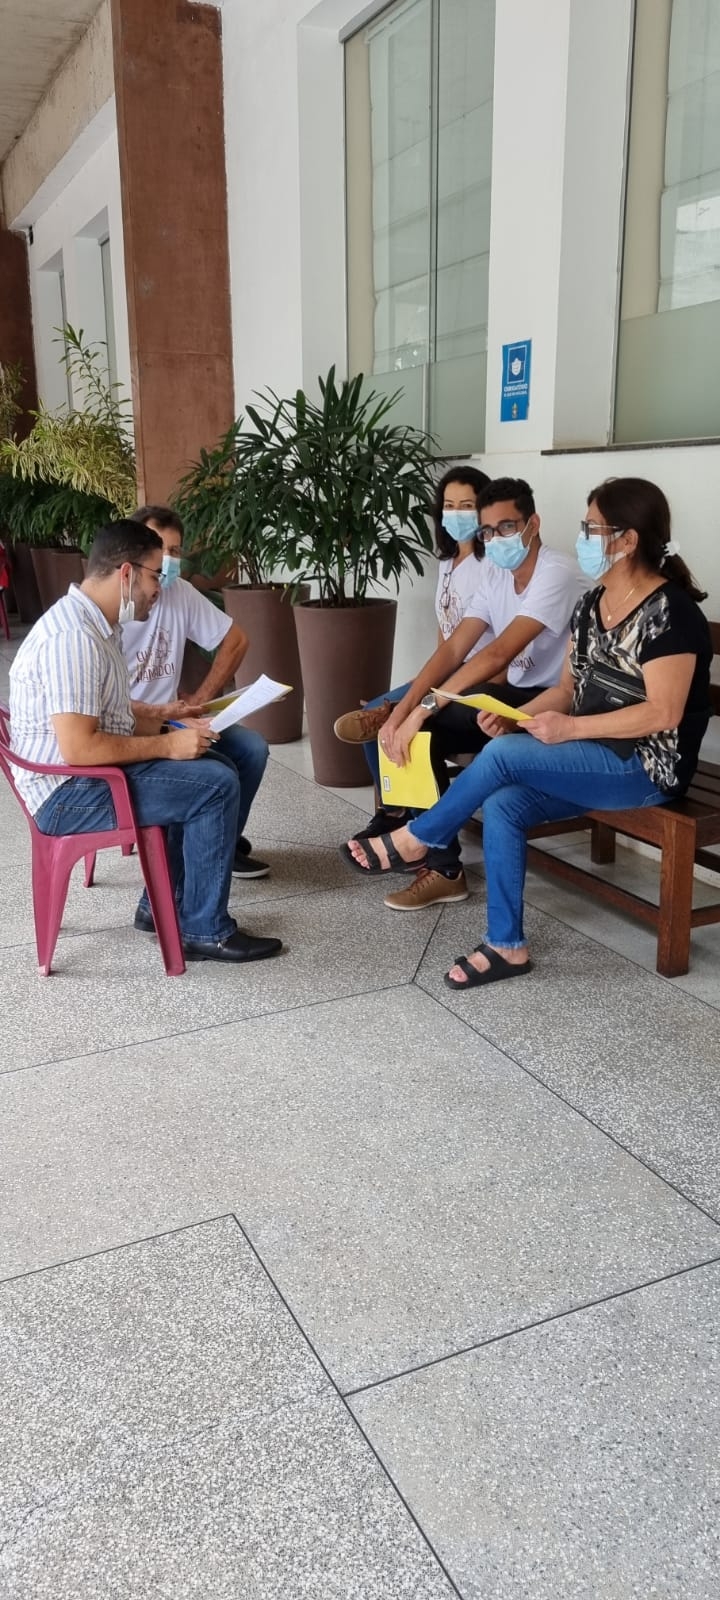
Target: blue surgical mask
(170, 570)
(509, 552)
(593, 559)
(461, 525)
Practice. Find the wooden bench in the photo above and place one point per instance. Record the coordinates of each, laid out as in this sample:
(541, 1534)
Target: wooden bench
(684, 832)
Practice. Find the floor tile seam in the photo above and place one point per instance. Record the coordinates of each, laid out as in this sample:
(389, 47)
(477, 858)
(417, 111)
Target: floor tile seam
(357, 1425)
(577, 1110)
(114, 1249)
(636, 965)
(208, 1027)
(556, 1317)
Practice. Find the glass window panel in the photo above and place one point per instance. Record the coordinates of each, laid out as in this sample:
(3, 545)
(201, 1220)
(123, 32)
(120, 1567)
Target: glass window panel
(419, 85)
(668, 385)
(109, 309)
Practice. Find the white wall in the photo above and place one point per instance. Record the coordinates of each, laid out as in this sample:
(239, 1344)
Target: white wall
(78, 204)
(558, 187)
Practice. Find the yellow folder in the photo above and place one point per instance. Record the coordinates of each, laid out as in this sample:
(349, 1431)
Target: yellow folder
(415, 783)
(487, 702)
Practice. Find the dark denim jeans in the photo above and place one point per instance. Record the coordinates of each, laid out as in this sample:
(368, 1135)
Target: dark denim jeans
(197, 801)
(519, 782)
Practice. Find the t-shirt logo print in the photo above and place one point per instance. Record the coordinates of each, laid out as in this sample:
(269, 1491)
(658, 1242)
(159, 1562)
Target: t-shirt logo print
(155, 662)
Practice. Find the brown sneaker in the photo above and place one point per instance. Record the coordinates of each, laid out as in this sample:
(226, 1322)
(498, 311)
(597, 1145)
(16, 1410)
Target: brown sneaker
(358, 727)
(428, 889)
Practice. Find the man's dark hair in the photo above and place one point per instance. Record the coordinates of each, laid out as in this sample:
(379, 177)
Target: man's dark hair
(515, 489)
(164, 516)
(119, 542)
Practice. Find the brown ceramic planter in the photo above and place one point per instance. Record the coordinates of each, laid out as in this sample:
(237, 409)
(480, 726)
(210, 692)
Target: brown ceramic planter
(55, 570)
(27, 594)
(346, 656)
(266, 616)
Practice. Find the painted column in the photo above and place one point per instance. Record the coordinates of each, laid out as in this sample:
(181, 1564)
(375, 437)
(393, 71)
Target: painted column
(168, 86)
(16, 339)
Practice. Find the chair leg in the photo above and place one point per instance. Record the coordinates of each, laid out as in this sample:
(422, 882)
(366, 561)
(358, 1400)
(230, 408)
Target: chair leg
(152, 852)
(676, 891)
(90, 870)
(49, 887)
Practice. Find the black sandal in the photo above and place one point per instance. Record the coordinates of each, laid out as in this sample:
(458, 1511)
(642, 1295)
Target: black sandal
(497, 969)
(374, 864)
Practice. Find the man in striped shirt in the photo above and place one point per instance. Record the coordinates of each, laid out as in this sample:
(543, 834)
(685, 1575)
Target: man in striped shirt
(70, 702)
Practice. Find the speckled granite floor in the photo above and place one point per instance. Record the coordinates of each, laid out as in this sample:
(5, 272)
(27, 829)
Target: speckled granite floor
(319, 1281)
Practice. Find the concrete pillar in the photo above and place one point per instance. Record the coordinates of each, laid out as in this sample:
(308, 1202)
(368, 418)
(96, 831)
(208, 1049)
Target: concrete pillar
(168, 86)
(16, 339)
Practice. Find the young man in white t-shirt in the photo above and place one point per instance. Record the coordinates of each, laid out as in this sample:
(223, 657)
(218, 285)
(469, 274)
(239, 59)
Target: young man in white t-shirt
(525, 594)
(154, 653)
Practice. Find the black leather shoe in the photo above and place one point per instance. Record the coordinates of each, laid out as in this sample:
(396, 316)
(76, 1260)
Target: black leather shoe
(144, 921)
(238, 947)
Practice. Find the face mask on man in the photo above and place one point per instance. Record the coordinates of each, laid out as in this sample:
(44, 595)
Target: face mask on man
(170, 570)
(461, 525)
(127, 607)
(508, 552)
(592, 556)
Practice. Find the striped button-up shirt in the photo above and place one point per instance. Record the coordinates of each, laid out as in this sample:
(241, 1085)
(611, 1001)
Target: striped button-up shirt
(71, 661)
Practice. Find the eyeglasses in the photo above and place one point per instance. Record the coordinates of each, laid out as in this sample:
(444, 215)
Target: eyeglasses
(155, 572)
(445, 592)
(505, 529)
(589, 528)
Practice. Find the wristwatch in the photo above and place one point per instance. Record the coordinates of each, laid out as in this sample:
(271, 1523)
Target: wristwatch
(429, 702)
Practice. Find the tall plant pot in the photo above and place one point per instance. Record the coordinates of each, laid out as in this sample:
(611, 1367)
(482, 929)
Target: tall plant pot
(266, 616)
(27, 594)
(346, 656)
(55, 570)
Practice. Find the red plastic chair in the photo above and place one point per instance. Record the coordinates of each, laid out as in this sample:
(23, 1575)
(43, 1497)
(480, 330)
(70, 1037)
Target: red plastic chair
(4, 583)
(53, 859)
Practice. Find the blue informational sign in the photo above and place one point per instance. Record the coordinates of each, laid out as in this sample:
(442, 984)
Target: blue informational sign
(515, 400)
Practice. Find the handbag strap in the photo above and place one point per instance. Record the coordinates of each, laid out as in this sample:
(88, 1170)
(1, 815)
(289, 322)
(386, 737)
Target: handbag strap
(583, 629)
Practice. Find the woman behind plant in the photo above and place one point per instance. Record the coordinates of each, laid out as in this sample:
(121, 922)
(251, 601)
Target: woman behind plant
(458, 546)
(640, 628)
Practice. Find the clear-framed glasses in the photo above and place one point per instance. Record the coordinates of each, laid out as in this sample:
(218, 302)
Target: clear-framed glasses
(504, 529)
(155, 572)
(587, 529)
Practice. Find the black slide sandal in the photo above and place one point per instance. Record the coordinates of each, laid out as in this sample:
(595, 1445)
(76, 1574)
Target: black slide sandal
(497, 969)
(375, 864)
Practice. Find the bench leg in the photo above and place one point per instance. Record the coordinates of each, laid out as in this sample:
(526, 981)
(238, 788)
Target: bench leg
(602, 844)
(676, 890)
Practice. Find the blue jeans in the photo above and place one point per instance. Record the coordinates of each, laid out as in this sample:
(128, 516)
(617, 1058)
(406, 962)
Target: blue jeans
(370, 749)
(520, 782)
(248, 752)
(197, 801)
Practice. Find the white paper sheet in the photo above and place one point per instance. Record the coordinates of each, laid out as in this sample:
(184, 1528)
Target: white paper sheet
(258, 694)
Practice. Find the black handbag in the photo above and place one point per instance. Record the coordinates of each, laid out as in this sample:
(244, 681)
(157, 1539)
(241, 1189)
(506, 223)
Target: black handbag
(605, 689)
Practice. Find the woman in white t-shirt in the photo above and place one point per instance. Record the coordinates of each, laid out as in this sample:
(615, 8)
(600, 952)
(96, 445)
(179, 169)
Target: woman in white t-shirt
(460, 550)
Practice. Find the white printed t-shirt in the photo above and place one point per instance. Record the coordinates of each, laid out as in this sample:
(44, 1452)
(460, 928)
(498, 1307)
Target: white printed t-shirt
(154, 649)
(550, 598)
(456, 587)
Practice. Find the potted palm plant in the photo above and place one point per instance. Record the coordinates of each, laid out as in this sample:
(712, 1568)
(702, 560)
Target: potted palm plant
(346, 492)
(73, 471)
(223, 501)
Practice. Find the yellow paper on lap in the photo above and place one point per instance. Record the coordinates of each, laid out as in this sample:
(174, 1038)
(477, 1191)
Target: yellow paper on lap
(414, 784)
(486, 702)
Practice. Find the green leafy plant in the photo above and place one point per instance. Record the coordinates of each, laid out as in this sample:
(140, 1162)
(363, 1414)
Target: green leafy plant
(224, 520)
(82, 462)
(329, 491)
